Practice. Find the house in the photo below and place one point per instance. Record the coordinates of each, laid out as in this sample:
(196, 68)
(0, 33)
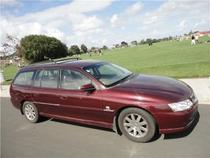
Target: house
(203, 33)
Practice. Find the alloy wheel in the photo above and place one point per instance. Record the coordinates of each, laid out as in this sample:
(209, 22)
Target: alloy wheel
(29, 112)
(135, 125)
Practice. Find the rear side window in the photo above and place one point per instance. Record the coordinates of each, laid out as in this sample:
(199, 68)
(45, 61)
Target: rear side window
(47, 78)
(24, 78)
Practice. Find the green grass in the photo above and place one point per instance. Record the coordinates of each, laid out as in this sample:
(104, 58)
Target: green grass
(171, 58)
(9, 73)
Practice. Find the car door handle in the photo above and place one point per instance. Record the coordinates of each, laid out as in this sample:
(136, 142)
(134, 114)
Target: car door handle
(63, 98)
(36, 95)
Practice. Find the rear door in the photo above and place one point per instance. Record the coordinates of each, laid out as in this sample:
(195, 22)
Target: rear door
(45, 90)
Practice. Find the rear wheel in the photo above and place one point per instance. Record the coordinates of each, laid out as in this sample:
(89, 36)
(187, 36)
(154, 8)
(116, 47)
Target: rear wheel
(30, 111)
(137, 124)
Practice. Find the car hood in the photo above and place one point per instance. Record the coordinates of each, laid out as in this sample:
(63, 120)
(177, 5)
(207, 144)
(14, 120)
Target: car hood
(157, 86)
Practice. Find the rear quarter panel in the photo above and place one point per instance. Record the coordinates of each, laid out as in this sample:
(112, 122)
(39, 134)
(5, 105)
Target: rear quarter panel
(19, 94)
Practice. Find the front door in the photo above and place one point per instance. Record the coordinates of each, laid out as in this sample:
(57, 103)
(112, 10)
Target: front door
(76, 103)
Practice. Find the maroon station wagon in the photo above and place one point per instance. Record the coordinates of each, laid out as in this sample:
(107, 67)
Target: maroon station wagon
(103, 94)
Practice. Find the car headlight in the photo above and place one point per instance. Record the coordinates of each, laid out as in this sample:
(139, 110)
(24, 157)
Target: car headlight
(181, 106)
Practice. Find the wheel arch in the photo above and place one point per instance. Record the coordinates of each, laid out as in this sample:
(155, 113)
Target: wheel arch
(117, 113)
(21, 106)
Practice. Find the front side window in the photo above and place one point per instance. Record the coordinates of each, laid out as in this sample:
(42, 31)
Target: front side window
(24, 78)
(108, 74)
(73, 80)
(47, 78)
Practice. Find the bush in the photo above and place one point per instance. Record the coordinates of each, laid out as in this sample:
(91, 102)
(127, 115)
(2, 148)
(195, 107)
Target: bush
(35, 47)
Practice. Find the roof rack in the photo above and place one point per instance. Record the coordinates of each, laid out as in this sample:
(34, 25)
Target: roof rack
(52, 61)
(66, 60)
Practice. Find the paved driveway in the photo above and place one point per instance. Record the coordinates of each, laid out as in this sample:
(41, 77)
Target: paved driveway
(1, 77)
(54, 139)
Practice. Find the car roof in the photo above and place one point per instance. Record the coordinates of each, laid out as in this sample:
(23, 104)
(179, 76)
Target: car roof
(74, 64)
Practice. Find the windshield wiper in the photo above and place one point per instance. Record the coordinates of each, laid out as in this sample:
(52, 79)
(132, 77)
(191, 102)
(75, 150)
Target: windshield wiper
(124, 78)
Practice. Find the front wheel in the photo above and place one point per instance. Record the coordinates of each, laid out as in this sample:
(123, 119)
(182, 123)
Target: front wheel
(137, 124)
(30, 111)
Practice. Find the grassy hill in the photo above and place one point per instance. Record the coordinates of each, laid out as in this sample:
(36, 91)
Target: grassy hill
(171, 58)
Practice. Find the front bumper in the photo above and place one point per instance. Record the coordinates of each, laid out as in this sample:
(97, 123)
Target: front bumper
(171, 122)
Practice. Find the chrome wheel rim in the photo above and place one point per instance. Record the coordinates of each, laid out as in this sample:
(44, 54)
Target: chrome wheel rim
(30, 112)
(135, 125)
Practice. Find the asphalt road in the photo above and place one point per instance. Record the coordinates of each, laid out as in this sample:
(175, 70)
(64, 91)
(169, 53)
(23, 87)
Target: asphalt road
(55, 139)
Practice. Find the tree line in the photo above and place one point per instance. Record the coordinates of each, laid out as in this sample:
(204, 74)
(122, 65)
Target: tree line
(36, 48)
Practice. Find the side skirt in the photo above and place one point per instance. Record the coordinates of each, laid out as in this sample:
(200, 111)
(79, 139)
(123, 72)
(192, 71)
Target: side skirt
(77, 120)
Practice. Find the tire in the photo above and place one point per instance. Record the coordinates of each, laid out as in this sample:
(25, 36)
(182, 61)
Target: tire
(137, 125)
(31, 112)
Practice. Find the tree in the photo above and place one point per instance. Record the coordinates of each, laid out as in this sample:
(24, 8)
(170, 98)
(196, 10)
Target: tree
(190, 33)
(18, 51)
(149, 41)
(92, 49)
(142, 41)
(74, 50)
(124, 44)
(8, 46)
(170, 38)
(35, 48)
(134, 43)
(84, 48)
(117, 46)
(104, 47)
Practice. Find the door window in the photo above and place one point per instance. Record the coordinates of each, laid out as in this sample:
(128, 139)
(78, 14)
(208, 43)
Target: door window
(73, 79)
(24, 78)
(47, 78)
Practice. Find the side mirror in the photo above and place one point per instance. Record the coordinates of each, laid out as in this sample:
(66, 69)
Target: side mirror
(88, 87)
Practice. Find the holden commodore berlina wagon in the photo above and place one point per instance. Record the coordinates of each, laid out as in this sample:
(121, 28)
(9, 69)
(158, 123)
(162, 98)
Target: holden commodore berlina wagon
(103, 94)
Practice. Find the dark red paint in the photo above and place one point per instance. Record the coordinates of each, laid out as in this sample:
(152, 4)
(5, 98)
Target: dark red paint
(151, 93)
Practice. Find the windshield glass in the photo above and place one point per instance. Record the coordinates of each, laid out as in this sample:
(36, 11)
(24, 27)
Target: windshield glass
(108, 74)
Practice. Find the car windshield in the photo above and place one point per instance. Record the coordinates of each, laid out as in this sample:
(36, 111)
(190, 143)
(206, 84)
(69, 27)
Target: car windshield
(108, 74)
